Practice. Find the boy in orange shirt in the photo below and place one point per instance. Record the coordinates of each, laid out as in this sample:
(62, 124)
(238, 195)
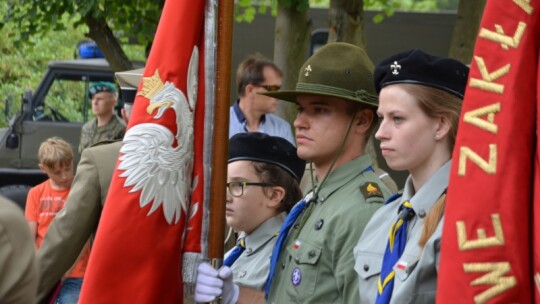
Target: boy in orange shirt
(47, 199)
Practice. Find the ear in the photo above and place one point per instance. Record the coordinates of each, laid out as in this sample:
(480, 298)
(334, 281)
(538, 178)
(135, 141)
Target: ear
(363, 120)
(249, 89)
(42, 168)
(277, 195)
(442, 127)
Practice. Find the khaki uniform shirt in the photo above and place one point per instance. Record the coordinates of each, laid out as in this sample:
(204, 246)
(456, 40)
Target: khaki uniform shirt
(18, 268)
(252, 267)
(416, 270)
(74, 224)
(92, 134)
(316, 261)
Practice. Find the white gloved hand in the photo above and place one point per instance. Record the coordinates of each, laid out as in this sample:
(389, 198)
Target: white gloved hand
(212, 283)
(231, 291)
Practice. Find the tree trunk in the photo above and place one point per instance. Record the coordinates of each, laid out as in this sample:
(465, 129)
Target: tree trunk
(101, 33)
(346, 22)
(292, 34)
(468, 20)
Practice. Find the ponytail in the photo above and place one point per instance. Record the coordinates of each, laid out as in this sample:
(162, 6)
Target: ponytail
(432, 220)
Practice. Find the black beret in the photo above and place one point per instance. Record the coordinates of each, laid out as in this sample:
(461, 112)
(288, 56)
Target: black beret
(264, 148)
(418, 67)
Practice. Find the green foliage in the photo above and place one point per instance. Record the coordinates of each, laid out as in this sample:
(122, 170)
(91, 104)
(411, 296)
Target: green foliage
(24, 62)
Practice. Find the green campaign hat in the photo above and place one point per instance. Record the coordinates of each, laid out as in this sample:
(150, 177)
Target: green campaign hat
(338, 70)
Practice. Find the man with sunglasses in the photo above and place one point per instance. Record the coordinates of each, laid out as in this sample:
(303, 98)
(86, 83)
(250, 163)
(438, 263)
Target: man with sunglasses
(263, 177)
(252, 112)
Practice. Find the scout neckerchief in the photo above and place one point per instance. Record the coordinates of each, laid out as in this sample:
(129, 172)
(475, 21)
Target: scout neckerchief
(394, 249)
(236, 252)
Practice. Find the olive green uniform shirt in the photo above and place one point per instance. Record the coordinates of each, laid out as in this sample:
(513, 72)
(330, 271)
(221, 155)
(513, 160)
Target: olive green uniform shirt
(252, 266)
(92, 134)
(416, 271)
(75, 223)
(316, 261)
(18, 268)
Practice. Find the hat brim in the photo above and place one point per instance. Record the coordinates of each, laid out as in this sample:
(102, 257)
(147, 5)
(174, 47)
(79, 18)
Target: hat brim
(292, 95)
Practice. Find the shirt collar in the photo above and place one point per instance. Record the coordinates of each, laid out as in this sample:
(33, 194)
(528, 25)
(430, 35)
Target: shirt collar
(343, 175)
(430, 192)
(240, 115)
(264, 233)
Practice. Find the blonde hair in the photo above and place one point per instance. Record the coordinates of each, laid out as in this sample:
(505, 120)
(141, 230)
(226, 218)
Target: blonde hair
(55, 151)
(437, 103)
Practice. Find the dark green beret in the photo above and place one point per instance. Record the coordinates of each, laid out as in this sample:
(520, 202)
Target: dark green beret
(337, 69)
(261, 147)
(101, 86)
(418, 67)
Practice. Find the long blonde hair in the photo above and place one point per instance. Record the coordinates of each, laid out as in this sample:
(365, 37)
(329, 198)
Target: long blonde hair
(436, 103)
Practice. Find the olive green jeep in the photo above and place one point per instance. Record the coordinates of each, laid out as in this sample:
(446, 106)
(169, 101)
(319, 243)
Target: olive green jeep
(58, 107)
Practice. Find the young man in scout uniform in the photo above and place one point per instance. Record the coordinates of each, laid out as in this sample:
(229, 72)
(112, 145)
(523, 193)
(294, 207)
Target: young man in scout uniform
(106, 125)
(313, 259)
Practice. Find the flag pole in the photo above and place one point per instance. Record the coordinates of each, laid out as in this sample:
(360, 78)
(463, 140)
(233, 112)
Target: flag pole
(220, 141)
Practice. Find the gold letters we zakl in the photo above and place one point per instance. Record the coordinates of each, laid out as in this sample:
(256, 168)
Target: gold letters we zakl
(500, 37)
(493, 277)
(482, 241)
(486, 83)
(474, 117)
(490, 166)
(525, 5)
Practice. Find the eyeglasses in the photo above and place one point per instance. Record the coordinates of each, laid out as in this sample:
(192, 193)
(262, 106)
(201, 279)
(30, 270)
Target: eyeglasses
(269, 88)
(236, 189)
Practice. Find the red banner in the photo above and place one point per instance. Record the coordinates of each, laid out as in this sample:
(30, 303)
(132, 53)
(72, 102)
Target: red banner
(137, 253)
(486, 247)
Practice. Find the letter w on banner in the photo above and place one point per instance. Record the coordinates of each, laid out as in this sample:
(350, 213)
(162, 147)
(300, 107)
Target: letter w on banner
(137, 253)
(488, 255)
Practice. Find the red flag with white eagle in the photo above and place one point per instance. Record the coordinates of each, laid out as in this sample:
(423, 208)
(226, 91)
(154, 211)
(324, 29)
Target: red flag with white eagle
(137, 252)
(490, 252)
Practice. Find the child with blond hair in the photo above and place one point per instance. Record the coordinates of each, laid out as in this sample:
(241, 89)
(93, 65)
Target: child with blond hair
(47, 199)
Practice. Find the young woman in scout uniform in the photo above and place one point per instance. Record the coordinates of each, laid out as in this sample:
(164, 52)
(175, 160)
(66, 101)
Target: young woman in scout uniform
(263, 184)
(420, 98)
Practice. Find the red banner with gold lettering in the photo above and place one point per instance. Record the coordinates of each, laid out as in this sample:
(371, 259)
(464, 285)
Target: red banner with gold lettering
(137, 253)
(487, 245)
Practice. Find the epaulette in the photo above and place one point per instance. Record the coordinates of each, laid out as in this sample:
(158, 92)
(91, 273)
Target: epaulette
(372, 192)
(104, 142)
(394, 197)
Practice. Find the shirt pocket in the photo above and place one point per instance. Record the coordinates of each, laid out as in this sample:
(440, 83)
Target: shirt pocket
(368, 265)
(304, 273)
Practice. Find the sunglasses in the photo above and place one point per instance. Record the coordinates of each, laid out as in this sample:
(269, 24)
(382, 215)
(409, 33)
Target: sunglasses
(269, 88)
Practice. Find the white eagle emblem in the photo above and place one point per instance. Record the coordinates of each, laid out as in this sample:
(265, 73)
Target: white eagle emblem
(150, 162)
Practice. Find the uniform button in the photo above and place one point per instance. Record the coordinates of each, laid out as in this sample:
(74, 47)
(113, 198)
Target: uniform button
(366, 267)
(422, 213)
(282, 265)
(290, 257)
(242, 274)
(249, 251)
(319, 224)
(311, 254)
(296, 226)
(297, 260)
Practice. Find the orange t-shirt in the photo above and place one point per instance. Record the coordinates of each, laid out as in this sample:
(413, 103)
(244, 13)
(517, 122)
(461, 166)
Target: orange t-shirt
(42, 205)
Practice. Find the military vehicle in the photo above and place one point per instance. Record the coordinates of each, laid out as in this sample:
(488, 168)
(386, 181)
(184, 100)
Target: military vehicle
(44, 113)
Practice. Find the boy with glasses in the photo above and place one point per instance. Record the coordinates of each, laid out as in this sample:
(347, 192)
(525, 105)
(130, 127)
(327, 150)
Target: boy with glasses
(263, 177)
(252, 112)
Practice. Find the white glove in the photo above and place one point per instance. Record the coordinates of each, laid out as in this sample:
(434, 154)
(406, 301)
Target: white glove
(212, 283)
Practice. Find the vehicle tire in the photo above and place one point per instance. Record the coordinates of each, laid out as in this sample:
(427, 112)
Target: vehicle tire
(16, 193)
